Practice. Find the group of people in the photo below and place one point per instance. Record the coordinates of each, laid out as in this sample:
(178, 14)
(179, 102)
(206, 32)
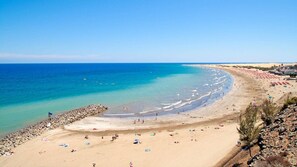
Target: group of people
(138, 120)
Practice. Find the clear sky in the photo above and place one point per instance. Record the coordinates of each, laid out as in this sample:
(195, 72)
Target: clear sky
(148, 31)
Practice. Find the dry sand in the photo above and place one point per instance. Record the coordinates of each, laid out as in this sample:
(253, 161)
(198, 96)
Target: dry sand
(158, 150)
(214, 137)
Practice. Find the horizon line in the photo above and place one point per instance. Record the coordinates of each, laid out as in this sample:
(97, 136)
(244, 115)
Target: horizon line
(143, 62)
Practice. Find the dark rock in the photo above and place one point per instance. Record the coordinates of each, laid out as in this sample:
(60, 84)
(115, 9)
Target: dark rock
(278, 140)
(16, 138)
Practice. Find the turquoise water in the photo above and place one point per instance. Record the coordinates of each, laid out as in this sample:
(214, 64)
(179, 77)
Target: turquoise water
(30, 91)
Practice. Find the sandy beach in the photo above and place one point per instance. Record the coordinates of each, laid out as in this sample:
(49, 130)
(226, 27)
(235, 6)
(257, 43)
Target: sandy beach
(192, 139)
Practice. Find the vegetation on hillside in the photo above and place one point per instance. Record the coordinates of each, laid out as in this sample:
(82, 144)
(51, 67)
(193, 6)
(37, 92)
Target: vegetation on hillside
(268, 111)
(289, 101)
(248, 129)
(256, 67)
(271, 114)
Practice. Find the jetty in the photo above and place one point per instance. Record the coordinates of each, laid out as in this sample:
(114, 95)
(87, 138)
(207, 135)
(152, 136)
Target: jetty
(12, 140)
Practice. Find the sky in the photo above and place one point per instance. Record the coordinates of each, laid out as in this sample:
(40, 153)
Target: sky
(59, 31)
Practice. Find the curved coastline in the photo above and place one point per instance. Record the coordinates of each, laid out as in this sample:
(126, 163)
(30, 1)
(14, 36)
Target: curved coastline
(165, 120)
(221, 115)
(183, 105)
(68, 119)
(156, 93)
(202, 137)
(168, 109)
(238, 93)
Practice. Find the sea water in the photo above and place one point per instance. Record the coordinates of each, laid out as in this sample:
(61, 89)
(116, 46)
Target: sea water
(29, 91)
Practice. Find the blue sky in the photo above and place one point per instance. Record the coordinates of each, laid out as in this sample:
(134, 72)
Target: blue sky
(148, 31)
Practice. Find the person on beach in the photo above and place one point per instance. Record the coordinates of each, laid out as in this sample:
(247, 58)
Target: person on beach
(49, 114)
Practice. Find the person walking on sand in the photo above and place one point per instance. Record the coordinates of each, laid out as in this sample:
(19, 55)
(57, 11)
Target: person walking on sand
(131, 165)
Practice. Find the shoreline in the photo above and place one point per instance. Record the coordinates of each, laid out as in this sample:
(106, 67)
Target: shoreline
(189, 138)
(183, 105)
(13, 139)
(169, 115)
(204, 117)
(144, 106)
(201, 114)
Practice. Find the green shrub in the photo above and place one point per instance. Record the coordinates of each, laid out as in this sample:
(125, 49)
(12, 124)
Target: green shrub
(248, 130)
(289, 101)
(268, 111)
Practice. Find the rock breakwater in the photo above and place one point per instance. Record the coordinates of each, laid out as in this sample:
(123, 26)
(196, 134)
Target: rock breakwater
(12, 140)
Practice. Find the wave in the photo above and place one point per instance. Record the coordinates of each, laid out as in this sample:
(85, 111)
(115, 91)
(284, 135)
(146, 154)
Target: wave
(180, 104)
(220, 82)
(152, 110)
(207, 94)
(218, 78)
(172, 104)
(168, 109)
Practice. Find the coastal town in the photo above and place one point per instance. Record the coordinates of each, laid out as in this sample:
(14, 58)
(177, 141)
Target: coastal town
(289, 70)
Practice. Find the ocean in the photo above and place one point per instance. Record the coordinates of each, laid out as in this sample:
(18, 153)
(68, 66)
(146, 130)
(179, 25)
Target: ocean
(29, 91)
